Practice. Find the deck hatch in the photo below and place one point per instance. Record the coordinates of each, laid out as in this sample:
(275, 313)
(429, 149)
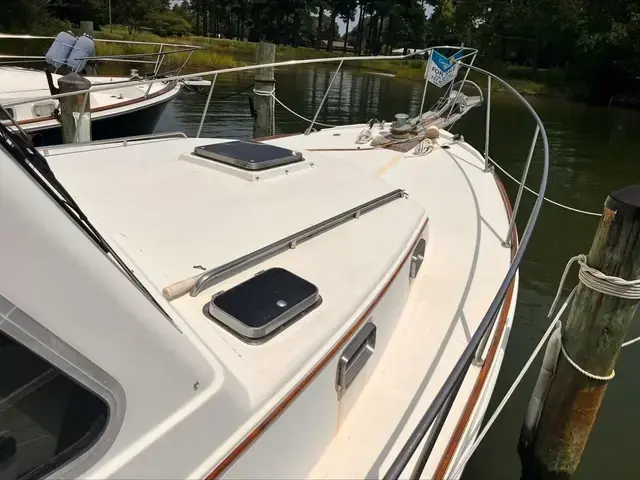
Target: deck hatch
(263, 305)
(248, 155)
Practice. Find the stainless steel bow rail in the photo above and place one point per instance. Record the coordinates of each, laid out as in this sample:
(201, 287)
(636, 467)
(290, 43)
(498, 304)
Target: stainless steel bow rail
(444, 398)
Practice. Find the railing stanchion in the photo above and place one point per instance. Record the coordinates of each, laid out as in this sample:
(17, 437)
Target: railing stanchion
(158, 61)
(453, 105)
(426, 83)
(424, 92)
(206, 105)
(512, 222)
(185, 62)
(156, 69)
(478, 361)
(326, 94)
(487, 126)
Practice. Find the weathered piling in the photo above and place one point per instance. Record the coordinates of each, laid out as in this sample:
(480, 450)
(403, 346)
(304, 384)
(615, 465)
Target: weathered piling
(592, 336)
(263, 122)
(75, 110)
(86, 26)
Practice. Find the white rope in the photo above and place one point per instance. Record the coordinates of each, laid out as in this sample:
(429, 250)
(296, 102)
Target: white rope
(592, 278)
(300, 116)
(364, 136)
(599, 282)
(272, 94)
(630, 342)
(424, 147)
(558, 204)
(603, 378)
(263, 93)
(466, 455)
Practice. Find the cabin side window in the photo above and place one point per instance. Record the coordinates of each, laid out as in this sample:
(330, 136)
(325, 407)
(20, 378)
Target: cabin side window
(46, 418)
(44, 109)
(10, 112)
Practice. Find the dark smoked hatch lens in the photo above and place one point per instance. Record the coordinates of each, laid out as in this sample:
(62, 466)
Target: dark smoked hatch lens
(248, 155)
(270, 300)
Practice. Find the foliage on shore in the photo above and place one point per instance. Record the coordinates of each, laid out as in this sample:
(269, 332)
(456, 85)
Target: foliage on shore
(225, 53)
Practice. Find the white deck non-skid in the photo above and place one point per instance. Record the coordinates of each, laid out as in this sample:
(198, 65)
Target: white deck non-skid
(463, 268)
(166, 215)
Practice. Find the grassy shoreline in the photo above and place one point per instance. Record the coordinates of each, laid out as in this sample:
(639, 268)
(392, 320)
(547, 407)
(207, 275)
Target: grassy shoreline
(224, 53)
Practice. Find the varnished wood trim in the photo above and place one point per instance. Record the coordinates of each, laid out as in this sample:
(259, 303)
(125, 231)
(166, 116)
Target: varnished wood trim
(304, 383)
(273, 137)
(456, 437)
(126, 103)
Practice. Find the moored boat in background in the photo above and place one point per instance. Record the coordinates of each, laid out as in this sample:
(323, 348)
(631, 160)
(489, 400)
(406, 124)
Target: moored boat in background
(127, 109)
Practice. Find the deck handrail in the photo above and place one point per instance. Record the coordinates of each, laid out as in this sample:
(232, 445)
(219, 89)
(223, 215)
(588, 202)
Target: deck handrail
(442, 400)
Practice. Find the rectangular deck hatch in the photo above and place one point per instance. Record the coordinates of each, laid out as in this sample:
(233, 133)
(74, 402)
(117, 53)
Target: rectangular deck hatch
(248, 155)
(263, 305)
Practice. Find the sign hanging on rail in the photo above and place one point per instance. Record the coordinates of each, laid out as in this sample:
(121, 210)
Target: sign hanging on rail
(440, 69)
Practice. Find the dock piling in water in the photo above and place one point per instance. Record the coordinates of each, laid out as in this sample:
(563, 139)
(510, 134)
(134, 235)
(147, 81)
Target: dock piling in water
(75, 110)
(592, 336)
(263, 123)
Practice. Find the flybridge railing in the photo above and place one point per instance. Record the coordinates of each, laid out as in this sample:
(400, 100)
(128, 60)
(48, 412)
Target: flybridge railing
(156, 58)
(433, 419)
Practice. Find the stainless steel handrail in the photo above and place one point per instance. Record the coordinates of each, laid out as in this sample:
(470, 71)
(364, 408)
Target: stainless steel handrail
(215, 274)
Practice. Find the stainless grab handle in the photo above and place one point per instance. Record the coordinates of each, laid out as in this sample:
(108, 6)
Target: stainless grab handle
(355, 356)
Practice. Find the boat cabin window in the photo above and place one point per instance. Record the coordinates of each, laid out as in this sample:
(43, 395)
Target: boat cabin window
(44, 109)
(46, 418)
(10, 111)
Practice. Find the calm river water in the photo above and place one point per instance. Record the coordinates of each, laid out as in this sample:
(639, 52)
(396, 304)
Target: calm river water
(594, 151)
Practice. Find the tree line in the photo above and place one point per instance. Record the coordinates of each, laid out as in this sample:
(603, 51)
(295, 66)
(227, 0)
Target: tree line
(593, 43)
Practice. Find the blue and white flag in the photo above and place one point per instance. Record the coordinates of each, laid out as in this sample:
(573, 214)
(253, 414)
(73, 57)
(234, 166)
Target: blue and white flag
(440, 69)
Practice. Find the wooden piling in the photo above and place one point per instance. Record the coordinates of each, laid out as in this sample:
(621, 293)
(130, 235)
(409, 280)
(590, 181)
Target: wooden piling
(592, 335)
(86, 26)
(73, 107)
(263, 124)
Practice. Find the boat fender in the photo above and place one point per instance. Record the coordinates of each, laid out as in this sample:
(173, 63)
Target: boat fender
(547, 371)
(83, 48)
(60, 49)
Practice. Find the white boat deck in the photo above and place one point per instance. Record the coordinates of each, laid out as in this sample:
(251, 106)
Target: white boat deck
(167, 214)
(464, 266)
